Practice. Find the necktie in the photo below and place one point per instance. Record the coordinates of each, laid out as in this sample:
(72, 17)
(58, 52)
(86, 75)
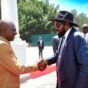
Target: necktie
(60, 48)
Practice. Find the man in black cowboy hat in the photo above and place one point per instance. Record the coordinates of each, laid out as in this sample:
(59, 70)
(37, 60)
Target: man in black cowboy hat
(72, 56)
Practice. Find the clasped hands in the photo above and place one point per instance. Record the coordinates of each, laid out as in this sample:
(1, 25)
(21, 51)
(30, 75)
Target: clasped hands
(42, 65)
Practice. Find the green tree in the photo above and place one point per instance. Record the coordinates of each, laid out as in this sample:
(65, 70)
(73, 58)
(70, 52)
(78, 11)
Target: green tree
(82, 19)
(34, 17)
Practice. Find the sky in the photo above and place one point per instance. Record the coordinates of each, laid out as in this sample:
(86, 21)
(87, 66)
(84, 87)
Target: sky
(79, 5)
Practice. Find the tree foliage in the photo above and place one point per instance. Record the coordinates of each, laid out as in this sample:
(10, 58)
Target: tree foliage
(81, 18)
(34, 17)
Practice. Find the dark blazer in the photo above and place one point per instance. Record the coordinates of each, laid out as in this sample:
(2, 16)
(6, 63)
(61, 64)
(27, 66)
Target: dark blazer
(39, 45)
(55, 42)
(74, 61)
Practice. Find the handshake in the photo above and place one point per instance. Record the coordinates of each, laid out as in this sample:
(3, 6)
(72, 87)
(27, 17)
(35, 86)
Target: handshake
(42, 65)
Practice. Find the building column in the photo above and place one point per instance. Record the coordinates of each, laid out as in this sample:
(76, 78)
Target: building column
(9, 12)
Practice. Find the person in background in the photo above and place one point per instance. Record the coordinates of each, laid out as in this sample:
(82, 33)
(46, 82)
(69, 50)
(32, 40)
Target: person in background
(85, 31)
(85, 28)
(55, 42)
(72, 56)
(40, 44)
(10, 69)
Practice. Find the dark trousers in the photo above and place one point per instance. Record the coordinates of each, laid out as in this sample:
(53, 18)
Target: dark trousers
(40, 53)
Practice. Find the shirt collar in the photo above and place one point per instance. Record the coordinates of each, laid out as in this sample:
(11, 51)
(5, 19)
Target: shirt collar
(3, 39)
(67, 33)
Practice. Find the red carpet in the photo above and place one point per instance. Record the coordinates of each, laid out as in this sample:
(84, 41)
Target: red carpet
(39, 73)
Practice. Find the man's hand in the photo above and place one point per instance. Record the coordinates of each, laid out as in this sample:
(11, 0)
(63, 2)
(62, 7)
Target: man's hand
(42, 65)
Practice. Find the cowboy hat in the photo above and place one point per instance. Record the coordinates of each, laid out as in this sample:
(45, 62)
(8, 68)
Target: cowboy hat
(65, 16)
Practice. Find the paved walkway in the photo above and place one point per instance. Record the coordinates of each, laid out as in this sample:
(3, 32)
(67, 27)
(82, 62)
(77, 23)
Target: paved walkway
(45, 81)
(33, 56)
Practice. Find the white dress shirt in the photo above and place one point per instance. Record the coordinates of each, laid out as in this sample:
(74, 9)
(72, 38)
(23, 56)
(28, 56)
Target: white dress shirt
(60, 50)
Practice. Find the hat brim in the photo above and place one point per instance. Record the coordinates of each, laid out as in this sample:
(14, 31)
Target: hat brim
(56, 19)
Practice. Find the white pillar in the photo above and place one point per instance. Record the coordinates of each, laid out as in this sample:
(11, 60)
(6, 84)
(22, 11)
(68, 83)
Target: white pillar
(9, 12)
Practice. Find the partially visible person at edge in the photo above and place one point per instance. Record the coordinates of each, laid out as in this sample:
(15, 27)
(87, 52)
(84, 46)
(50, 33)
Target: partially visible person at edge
(85, 31)
(72, 56)
(10, 69)
(55, 42)
(40, 44)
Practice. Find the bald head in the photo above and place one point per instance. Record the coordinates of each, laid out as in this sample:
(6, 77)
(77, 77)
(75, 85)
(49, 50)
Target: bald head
(4, 25)
(7, 30)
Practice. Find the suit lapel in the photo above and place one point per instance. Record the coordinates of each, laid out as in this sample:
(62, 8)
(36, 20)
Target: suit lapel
(66, 46)
(63, 54)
